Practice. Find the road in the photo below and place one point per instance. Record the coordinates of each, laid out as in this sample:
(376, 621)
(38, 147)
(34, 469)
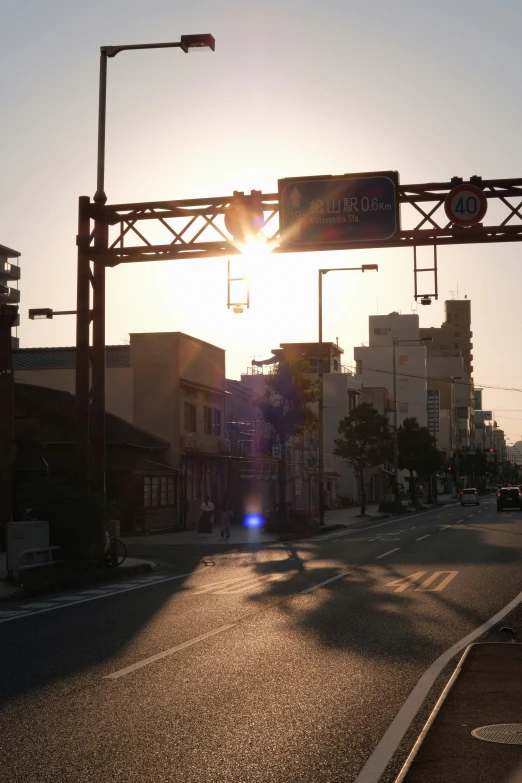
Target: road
(282, 663)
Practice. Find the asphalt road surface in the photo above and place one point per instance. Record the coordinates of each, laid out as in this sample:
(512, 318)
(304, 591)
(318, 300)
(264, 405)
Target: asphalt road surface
(278, 663)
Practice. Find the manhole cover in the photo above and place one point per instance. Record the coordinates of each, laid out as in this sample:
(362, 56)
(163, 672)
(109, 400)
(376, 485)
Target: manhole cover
(506, 733)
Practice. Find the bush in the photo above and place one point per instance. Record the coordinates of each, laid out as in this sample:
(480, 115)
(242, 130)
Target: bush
(297, 524)
(391, 506)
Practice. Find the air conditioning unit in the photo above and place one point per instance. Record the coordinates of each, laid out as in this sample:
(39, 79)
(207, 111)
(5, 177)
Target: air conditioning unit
(188, 441)
(224, 445)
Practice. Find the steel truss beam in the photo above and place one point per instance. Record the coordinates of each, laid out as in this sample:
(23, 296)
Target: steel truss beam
(195, 228)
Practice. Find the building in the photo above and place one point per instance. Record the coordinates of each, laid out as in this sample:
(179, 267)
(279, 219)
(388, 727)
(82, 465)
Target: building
(169, 384)
(10, 273)
(447, 377)
(374, 363)
(139, 480)
(453, 340)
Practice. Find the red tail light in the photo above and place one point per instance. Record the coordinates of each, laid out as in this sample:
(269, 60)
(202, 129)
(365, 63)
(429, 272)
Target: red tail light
(498, 494)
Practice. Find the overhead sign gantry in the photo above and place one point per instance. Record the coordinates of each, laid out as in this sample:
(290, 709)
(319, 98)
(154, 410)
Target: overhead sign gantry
(306, 214)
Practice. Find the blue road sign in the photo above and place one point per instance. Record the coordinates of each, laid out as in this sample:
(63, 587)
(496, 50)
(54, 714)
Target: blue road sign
(327, 211)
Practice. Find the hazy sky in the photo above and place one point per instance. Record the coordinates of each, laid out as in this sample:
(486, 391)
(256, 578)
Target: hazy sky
(430, 89)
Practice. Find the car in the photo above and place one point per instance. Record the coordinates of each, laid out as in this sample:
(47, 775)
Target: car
(492, 488)
(509, 497)
(469, 495)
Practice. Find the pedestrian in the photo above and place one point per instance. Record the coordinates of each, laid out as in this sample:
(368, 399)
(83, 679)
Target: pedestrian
(225, 514)
(205, 519)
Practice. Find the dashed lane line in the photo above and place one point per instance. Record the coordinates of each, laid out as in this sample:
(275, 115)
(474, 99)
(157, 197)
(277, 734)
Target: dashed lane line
(426, 536)
(384, 554)
(145, 662)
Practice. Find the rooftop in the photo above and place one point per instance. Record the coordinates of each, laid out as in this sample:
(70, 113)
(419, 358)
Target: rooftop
(65, 358)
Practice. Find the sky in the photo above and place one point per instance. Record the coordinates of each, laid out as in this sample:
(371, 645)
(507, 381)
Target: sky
(429, 89)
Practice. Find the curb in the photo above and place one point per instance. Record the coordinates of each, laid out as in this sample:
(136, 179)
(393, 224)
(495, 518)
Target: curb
(31, 591)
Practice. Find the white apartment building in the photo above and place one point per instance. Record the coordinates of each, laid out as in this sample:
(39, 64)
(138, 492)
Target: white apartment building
(374, 363)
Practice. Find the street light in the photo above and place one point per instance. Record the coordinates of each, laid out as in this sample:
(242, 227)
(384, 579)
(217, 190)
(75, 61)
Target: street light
(412, 342)
(363, 268)
(46, 312)
(96, 279)
(187, 43)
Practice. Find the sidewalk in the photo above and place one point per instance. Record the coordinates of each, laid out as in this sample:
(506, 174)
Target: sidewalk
(476, 735)
(130, 567)
(239, 534)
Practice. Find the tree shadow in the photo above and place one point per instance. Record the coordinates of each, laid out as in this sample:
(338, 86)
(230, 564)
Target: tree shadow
(360, 612)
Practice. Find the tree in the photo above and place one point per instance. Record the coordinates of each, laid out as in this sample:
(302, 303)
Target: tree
(365, 442)
(286, 406)
(417, 451)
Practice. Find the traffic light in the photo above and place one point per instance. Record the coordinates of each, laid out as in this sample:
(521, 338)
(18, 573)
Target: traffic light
(244, 218)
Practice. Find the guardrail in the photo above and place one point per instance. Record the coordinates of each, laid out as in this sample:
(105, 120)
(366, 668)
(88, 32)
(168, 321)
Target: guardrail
(36, 558)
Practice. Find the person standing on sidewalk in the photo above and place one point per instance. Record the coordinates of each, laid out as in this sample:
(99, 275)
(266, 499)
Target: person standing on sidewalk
(205, 519)
(225, 514)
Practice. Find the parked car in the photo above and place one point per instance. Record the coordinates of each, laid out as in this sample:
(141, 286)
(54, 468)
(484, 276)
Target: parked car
(492, 487)
(469, 495)
(509, 497)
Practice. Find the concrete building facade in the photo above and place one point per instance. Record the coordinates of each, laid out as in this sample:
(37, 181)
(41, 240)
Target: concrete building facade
(374, 363)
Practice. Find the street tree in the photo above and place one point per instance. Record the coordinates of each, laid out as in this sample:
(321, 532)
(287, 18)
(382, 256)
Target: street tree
(287, 407)
(417, 451)
(365, 442)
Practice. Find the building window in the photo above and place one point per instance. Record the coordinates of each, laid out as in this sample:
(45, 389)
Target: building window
(212, 421)
(457, 334)
(159, 491)
(380, 331)
(155, 495)
(189, 417)
(403, 358)
(335, 365)
(403, 383)
(358, 366)
(456, 345)
(191, 394)
(403, 407)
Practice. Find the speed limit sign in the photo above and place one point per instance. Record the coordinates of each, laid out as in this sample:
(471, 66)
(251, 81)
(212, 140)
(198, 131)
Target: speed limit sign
(466, 205)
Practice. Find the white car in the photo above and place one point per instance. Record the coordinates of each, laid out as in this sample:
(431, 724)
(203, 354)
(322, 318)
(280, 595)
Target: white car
(469, 495)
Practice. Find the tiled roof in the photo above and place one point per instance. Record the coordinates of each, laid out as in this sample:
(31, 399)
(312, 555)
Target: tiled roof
(65, 358)
(60, 404)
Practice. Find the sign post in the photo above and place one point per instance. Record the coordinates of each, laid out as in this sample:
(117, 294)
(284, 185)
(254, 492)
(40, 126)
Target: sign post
(324, 213)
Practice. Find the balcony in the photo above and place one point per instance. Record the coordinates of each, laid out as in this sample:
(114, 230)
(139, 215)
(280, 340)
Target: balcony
(9, 295)
(9, 271)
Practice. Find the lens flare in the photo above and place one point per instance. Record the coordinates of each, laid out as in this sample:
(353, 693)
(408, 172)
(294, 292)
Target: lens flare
(253, 520)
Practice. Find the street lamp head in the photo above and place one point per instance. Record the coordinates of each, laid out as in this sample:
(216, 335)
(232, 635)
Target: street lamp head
(370, 267)
(203, 42)
(40, 312)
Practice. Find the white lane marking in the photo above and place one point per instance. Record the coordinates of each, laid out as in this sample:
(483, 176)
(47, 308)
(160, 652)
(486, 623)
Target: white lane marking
(471, 515)
(321, 584)
(383, 524)
(91, 598)
(426, 536)
(393, 736)
(444, 527)
(145, 662)
(388, 553)
(459, 520)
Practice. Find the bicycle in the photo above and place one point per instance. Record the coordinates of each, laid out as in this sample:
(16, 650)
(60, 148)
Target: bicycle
(114, 556)
(115, 553)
